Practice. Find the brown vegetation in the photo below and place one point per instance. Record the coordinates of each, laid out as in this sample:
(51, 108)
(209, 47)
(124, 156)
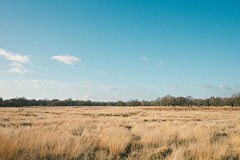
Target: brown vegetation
(120, 133)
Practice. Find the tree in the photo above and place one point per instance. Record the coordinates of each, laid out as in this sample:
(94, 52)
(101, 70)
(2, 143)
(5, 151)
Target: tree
(198, 102)
(53, 102)
(145, 103)
(103, 103)
(120, 103)
(110, 103)
(158, 101)
(215, 101)
(189, 100)
(133, 103)
(165, 100)
(33, 102)
(79, 103)
(229, 102)
(1, 102)
(70, 102)
(236, 98)
(207, 102)
(181, 101)
(172, 101)
(22, 101)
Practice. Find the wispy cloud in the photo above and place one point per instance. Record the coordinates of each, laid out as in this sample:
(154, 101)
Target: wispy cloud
(102, 71)
(34, 81)
(124, 87)
(144, 58)
(34, 85)
(224, 87)
(160, 63)
(87, 97)
(15, 70)
(1, 86)
(53, 82)
(207, 86)
(17, 58)
(171, 86)
(15, 64)
(67, 59)
(14, 56)
(107, 87)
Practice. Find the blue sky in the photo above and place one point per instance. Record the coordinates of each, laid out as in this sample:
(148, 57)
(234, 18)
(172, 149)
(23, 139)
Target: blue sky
(119, 50)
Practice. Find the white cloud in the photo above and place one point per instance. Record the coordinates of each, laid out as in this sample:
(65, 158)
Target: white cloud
(160, 63)
(124, 87)
(87, 97)
(15, 64)
(102, 71)
(21, 89)
(34, 85)
(15, 70)
(144, 58)
(224, 87)
(67, 59)
(57, 83)
(207, 86)
(35, 81)
(170, 86)
(14, 56)
(1, 86)
(106, 87)
(17, 58)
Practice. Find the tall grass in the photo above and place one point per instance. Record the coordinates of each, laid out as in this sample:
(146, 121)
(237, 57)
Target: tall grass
(119, 133)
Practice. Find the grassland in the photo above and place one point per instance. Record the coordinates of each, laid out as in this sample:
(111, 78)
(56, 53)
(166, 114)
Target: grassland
(120, 133)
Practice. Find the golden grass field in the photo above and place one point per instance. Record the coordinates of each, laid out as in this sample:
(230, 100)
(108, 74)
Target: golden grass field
(120, 133)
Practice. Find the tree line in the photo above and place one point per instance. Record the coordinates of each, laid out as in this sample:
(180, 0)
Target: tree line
(167, 100)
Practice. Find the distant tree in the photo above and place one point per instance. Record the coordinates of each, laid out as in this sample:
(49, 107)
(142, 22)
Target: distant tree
(33, 102)
(189, 100)
(120, 103)
(236, 98)
(88, 103)
(133, 103)
(144, 103)
(172, 101)
(43, 102)
(53, 102)
(165, 101)
(79, 103)
(111, 103)
(198, 102)
(130, 103)
(152, 102)
(207, 102)
(1, 102)
(158, 101)
(70, 102)
(22, 101)
(103, 104)
(215, 101)
(180, 101)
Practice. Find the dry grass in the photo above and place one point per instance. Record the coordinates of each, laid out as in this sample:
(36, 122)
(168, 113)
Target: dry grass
(120, 133)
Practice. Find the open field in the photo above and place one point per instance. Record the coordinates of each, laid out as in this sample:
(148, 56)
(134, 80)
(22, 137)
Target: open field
(120, 133)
